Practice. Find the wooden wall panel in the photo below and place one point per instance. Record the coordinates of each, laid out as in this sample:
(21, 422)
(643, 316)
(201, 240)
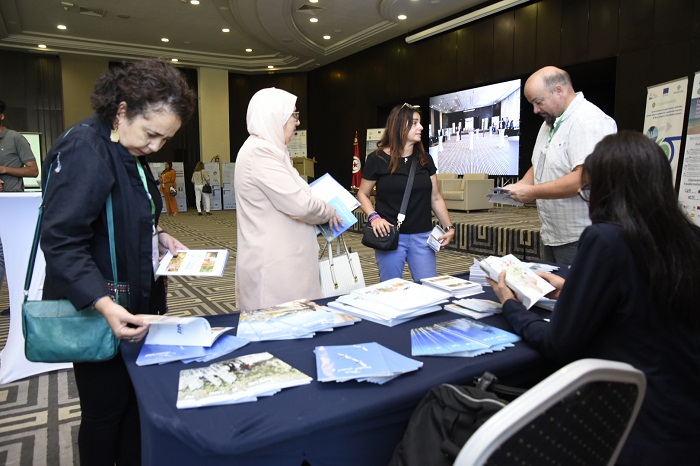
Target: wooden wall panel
(575, 25)
(636, 24)
(483, 51)
(548, 32)
(525, 40)
(673, 18)
(465, 56)
(503, 45)
(603, 28)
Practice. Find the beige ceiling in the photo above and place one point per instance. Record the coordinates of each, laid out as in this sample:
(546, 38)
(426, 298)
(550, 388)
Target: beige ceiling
(278, 31)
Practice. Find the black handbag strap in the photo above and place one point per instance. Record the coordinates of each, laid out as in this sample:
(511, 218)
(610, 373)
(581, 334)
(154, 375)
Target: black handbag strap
(37, 236)
(406, 195)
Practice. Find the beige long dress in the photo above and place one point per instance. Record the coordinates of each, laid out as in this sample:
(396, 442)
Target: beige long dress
(277, 256)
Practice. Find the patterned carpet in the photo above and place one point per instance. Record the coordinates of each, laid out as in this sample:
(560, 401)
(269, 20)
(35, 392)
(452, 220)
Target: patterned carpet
(39, 416)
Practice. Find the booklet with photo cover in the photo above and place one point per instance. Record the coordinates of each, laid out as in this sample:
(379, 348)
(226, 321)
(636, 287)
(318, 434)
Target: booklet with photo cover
(194, 262)
(238, 380)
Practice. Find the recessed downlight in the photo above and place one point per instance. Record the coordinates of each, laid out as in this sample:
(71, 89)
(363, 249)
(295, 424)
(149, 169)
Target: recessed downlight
(164, 39)
(314, 20)
(402, 17)
(41, 46)
(326, 37)
(248, 50)
(225, 30)
(62, 27)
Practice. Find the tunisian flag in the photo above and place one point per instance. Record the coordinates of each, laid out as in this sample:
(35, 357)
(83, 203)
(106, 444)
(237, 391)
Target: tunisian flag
(356, 166)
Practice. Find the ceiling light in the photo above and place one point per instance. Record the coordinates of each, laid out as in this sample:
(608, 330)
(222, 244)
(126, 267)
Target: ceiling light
(270, 67)
(62, 27)
(314, 20)
(248, 50)
(326, 37)
(194, 2)
(165, 39)
(313, 1)
(402, 17)
(462, 20)
(225, 30)
(174, 59)
(41, 46)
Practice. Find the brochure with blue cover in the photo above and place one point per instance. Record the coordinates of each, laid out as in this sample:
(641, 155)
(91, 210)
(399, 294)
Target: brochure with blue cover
(459, 337)
(346, 215)
(364, 362)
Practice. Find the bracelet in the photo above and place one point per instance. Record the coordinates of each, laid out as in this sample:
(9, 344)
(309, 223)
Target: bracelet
(160, 232)
(448, 228)
(373, 216)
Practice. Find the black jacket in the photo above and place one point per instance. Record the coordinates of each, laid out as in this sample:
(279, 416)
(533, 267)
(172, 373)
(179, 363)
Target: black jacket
(85, 167)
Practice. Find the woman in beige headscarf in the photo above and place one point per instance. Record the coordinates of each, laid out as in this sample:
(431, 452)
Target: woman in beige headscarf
(277, 257)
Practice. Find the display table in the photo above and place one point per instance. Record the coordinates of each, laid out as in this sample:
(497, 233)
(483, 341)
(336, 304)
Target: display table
(18, 214)
(332, 424)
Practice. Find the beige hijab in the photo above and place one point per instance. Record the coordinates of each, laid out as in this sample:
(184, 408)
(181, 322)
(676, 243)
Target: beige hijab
(268, 112)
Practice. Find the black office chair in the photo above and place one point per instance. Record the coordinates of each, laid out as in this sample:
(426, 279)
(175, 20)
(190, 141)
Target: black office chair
(580, 415)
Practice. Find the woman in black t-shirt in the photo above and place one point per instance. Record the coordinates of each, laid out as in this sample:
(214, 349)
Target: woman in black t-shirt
(387, 169)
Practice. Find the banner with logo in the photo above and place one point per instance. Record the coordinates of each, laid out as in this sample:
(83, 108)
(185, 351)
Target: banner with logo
(228, 169)
(214, 172)
(689, 192)
(663, 118)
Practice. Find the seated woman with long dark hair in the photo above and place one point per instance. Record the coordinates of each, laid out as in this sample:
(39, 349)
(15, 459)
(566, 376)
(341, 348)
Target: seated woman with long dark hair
(632, 295)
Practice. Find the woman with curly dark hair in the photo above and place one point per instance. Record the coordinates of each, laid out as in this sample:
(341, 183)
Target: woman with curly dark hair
(138, 107)
(631, 295)
(387, 169)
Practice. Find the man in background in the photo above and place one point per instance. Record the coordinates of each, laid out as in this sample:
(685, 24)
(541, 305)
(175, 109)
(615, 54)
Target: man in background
(571, 129)
(16, 162)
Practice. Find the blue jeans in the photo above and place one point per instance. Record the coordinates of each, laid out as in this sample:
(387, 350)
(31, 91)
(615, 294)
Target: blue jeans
(563, 254)
(414, 249)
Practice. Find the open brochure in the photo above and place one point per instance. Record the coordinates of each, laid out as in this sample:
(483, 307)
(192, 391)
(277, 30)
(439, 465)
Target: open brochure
(329, 190)
(527, 285)
(501, 196)
(194, 262)
(182, 331)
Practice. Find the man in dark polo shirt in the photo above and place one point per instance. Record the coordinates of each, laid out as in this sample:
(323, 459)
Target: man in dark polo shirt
(16, 162)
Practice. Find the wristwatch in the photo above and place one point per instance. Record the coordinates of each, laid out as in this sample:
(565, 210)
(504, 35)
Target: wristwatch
(448, 228)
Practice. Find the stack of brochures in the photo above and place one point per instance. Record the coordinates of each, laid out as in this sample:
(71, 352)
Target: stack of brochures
(364, 362)
(477, 275)
(474, 308)
(296, 319)
(525, 283)
(185, 338)
(161, 354)
(391, 302)
(457, 287)
(459, 337)
(237, 380)
(194, 262)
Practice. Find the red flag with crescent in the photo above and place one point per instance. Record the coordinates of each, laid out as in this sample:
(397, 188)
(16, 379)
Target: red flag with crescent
(356, 166)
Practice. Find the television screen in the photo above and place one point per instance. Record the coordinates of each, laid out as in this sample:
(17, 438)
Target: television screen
(477, 130)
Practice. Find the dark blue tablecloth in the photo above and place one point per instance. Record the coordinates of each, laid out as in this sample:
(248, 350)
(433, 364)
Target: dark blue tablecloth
(334, 424)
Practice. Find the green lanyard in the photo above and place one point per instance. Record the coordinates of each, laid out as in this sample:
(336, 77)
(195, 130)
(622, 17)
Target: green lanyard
(142, 174)
(554, 129)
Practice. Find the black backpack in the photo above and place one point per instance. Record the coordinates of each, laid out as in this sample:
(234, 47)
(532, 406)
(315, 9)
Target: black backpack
(445, 419)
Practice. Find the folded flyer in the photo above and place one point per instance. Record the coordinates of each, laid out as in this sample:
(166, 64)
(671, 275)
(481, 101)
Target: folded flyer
(194, 262)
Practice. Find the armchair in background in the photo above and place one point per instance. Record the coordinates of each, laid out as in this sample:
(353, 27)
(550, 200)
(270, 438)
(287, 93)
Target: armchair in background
(466, 193)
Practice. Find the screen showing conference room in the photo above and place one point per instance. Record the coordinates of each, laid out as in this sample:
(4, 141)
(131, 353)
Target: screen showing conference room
(477, 130)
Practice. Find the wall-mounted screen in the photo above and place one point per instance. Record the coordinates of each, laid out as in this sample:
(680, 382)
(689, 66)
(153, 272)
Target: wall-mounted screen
(477, 130)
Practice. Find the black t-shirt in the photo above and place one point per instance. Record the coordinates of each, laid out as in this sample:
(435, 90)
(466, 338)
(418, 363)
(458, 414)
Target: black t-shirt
(390, 189)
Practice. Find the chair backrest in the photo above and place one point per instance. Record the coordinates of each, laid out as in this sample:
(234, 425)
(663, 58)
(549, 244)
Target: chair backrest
(581, 414)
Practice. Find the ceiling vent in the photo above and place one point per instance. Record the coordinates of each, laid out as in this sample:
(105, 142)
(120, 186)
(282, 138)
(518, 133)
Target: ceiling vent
(91, 12)
(311, 9)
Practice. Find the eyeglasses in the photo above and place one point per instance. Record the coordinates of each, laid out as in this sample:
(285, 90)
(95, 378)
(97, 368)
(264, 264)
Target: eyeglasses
(411, 107)
(295, 115)
(585, 192)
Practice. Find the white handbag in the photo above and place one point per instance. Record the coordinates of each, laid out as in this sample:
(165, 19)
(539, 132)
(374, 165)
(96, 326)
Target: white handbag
(342, 273)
